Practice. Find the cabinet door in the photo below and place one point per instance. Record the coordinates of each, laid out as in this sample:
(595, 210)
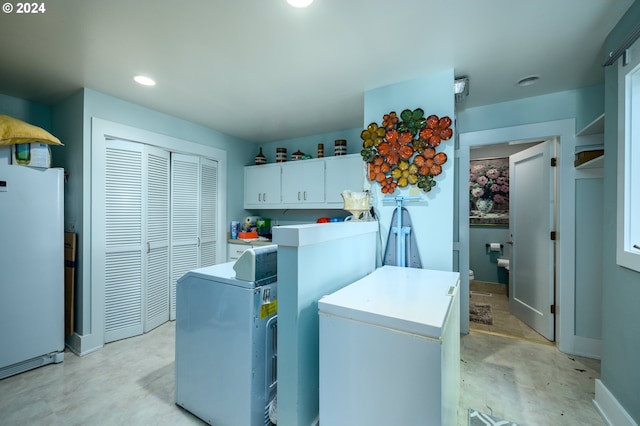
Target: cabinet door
(262, 185)
(343, 173)
(303, 182)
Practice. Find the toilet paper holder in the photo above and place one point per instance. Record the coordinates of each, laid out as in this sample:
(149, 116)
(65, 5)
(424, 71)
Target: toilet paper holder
(493, 247)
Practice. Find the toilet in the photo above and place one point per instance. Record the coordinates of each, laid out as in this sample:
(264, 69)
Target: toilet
(471, 275)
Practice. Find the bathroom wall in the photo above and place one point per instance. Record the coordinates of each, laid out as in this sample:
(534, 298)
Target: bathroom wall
(482, 261)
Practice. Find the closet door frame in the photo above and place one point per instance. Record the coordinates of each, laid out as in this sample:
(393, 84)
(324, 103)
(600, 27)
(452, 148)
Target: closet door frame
(93, 294)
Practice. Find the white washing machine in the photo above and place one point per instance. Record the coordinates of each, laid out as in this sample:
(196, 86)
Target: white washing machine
(226, 335)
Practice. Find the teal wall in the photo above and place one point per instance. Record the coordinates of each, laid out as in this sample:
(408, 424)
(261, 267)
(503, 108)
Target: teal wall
(537, 109)
(309, 144)
(484, 262)
(31, 112)
(67, 125)
(621, 291)
(432, 218)
(588, 227)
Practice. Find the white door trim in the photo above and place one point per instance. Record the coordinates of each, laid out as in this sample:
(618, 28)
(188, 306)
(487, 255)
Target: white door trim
(565, 257)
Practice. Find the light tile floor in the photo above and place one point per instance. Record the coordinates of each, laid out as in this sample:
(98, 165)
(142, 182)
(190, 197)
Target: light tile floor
(504, 323)
(130, 382)
(533, 382)
(525, 382)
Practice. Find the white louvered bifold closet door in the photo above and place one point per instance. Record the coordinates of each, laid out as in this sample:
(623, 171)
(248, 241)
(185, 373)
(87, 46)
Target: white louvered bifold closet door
(185, 212)
(136, 217)
(123, 218)
(156, 297)
(194, 216)
(208, 212)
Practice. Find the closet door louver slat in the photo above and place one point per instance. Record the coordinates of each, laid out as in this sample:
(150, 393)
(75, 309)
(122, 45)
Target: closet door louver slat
(208, 212)
(157, 274)
(123, 241)
(184, 219)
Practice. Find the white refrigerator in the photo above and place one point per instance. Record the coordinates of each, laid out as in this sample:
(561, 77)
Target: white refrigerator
(390, 349)
(31, 268)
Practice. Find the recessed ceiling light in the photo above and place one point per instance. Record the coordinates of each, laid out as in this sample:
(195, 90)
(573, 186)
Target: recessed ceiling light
(299, 3)
(145, 81)
(528, 81)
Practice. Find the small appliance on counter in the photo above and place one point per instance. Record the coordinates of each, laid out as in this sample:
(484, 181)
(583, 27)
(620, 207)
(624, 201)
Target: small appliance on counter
(263, 226)
(357, 203)
(226, 340)
(250, 223)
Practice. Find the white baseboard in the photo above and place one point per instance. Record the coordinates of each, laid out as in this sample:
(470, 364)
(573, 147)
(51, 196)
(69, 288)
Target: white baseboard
(609, 408)
(81, 345)
(586, 347)
(580, 346)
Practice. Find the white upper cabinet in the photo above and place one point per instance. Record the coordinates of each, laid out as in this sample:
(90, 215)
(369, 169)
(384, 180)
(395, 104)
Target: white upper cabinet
(262, 187)
(303, 184)
(343, 173)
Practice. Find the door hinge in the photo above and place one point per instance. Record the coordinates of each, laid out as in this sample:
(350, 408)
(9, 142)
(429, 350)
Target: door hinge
(554, 162)
(553, 235)
(552, 309)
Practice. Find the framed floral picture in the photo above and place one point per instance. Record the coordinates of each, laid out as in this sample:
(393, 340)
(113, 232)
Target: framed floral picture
(489, 191)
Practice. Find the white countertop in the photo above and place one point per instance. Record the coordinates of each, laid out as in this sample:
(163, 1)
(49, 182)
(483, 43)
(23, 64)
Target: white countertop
(315, 233)
(405, 299)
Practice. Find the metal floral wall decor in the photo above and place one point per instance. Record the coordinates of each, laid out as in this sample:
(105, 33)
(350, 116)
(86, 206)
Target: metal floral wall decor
(403, 150)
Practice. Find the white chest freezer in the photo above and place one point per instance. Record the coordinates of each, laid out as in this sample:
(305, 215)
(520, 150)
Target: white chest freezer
(390, 349)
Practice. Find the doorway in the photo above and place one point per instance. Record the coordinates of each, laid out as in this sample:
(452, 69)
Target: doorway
(565, 295)
(492, 306)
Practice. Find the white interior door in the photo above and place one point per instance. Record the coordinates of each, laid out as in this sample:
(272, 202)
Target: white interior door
(185, 214)
(208, 212)
(156, 298)
(123, 237)
(531, 221)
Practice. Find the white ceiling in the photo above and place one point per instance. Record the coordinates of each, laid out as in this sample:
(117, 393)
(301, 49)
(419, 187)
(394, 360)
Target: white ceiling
(261, 70)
